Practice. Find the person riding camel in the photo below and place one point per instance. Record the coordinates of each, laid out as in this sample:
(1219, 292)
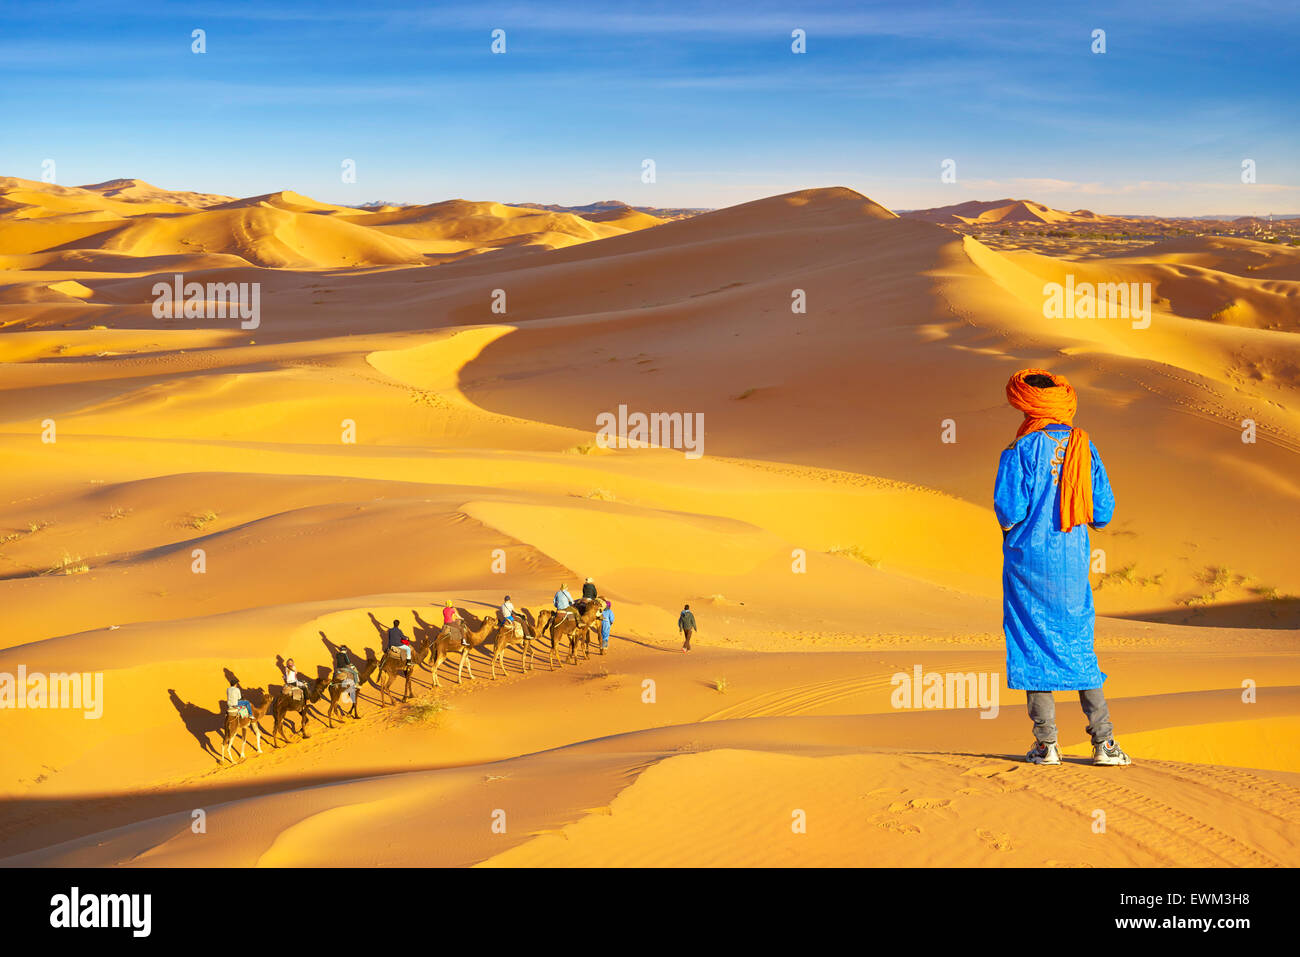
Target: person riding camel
(506, 615)
(452, 622)
(395, 639)
(344, 668)
(293, 680)
(236, 703)
(589, 590)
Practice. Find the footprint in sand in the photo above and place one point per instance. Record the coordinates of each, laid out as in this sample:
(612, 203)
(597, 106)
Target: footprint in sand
(900, 826)
(918, 804)
(999, 842)
(889, 818)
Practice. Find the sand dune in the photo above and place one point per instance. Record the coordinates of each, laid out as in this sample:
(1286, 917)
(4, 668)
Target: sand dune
(826, 514)
(282, 230)
(138, 191)
(1004, 212)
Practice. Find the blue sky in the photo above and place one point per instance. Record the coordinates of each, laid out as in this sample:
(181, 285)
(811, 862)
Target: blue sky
(1160, 123)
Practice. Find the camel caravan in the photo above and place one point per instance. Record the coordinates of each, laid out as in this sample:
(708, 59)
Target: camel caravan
(569, 620)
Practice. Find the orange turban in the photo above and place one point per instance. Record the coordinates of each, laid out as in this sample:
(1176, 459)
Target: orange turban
(1042, 407)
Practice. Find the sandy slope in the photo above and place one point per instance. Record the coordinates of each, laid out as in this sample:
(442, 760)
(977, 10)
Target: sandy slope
(475, 441)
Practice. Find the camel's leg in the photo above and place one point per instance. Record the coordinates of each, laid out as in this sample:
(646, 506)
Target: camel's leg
(407, 696)
(469, 664)
(305, 735)
(257, 734)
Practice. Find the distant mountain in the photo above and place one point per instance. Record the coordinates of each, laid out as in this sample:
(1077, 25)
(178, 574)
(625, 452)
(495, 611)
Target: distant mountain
(1025, 212)
(608, 209)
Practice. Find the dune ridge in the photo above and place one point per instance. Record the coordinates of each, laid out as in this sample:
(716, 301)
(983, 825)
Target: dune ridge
(826, 514)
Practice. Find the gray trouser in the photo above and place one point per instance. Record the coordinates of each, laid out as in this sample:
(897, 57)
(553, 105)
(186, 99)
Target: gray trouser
(1042, 711)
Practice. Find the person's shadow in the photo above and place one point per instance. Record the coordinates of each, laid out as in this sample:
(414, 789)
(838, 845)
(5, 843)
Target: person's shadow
(380, 627)
(422, 630)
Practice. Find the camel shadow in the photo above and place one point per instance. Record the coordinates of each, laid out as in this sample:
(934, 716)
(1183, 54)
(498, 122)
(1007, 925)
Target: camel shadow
(202, 723)
(198, 721)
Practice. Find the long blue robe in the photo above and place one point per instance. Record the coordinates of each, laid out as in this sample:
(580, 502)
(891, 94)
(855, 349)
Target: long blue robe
(1047, 611)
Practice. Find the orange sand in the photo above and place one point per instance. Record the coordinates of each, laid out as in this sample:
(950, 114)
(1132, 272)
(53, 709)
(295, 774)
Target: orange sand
(476, 433)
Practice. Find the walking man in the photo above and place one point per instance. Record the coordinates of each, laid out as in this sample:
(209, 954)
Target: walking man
(686, 625)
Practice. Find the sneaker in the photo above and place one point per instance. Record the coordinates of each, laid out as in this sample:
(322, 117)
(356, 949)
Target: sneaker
(1044, 754)
(1110, 754)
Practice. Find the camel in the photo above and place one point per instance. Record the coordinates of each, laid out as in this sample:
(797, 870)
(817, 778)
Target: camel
(577, 627)
(424, 643)
(336, 691)
(238, 725)
(590, 614)
(543, 627)
(522, 635)
(390, 666)
(448, 641)
(284, 703)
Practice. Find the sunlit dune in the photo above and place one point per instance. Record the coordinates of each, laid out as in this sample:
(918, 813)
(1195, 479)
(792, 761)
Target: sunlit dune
(412, 418)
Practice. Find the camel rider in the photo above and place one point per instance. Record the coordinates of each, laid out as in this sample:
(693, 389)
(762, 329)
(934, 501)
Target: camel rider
(396, 639)
(589, 590)
(236, 703)
(345, 669)
(294, 680)
(564, 603)
(451, 621)
(507, 615)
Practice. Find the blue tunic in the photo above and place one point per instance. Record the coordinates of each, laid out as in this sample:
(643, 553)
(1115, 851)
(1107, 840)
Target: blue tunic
(1047, 611)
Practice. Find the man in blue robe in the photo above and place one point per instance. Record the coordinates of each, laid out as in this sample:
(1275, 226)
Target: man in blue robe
(1051, 486)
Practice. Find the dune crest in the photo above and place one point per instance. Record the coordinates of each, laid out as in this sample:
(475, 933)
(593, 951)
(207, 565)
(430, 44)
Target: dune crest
(417, 419)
